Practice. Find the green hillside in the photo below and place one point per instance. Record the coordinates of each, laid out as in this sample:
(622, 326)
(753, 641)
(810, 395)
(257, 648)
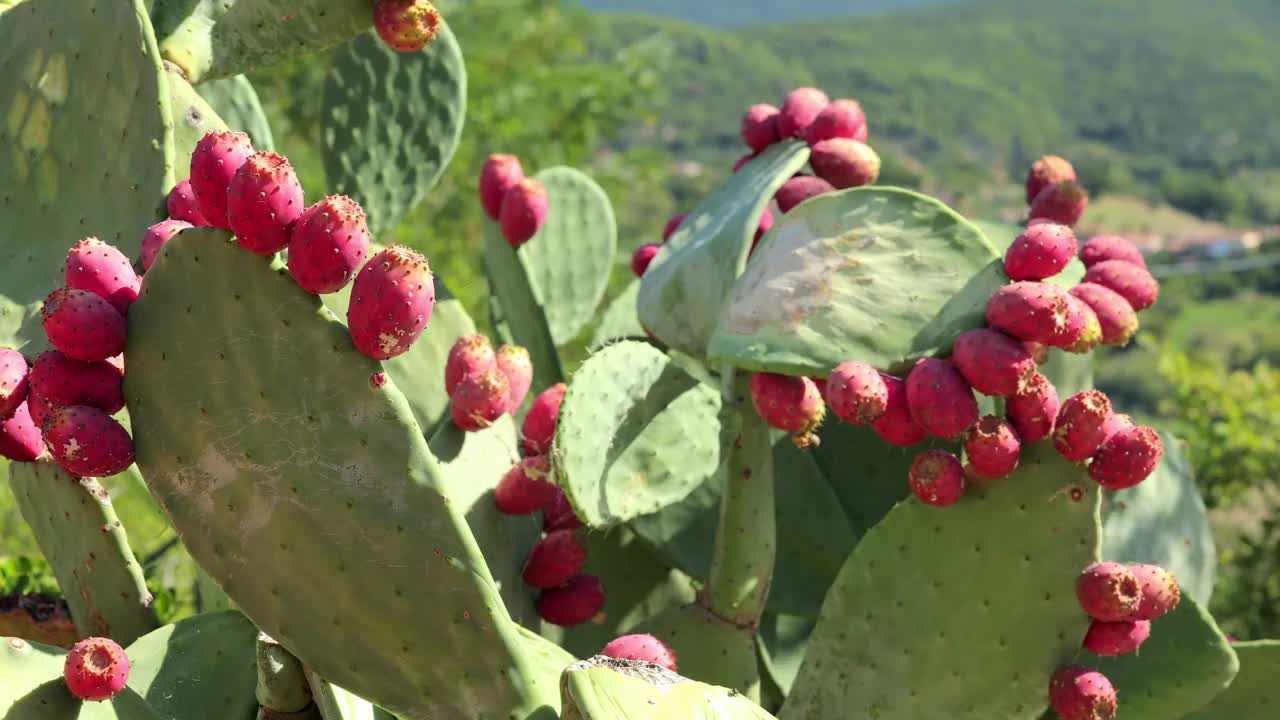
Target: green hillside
(733, 13)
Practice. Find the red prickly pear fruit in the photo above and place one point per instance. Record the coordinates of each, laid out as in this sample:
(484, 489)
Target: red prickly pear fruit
(1038, 351)
(573, 603)
(789, 402)
(740, 162)
(672, 224)
(841, 119)
(937, 478)
(13, 381)
(896, 426)
(539, 429)
(1129, 281)
(1040, 252)
(1116, 317)
(558, 514)
(182, 205)
(263, 201)
(940, 399)
(1108, 591)
(766, 224)
(214, 163)
(845, 163)
(391, 302)
(856, 393)
(1063, 203)
(514, 362)
(1109, 639)
(993, 448)
(1102, 248)
(1048, 170)
(801, 188)
(1026, 310)
(1091, 333)
(1127, 457)
(555, 558)
(60, 381)
(643, 647)
(526, 488)
(992, 362)
(524, 210)
(479, 400)
(20, 437)
(83, 325)
(39, 409)
(1116, 423)
(1078, 693)
(104, 271)
(1034, 410)
(327, 245)
(1077, 324)
(156, 237)
(641, 258)
(470, 355)
(406, 25)
(1160, 591)
(499, 174)
(96, 669)
(87, 442)
(760, 126)
(800, 108)
(1081, 426)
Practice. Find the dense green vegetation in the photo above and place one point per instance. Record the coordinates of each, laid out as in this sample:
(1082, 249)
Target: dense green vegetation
(730, 13)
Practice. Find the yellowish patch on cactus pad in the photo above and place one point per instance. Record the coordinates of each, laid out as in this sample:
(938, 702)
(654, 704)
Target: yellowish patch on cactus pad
(47, 179)
(53, 81)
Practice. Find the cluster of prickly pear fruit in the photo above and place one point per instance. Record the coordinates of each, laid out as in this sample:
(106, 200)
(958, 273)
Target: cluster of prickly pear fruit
(482, 384)
(517, 203)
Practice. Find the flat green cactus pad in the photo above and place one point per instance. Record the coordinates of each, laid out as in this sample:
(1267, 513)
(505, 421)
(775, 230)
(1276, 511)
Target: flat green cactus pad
(33, 688)
(74, 160)
(391, 122)
(518, 315)
(284, 467)
(620, 318)
(335, 703)
(782, 640)
(1070, 373)
(191, 117)
(200, 668)
(1163, 521)
(931, 596)
(606, 689)
(708, 648)
(881, 275)
(688, 282)
(1254, 693)
(237, 103)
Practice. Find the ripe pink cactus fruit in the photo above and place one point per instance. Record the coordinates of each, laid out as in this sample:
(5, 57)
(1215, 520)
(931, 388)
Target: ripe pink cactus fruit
(672, 224)
(993, 363)
(526, 488)
(845, 163)
(573, 603)
(765, 225)
(856, 393)
(1160, 591)
(60, 381)
(214, 163)
(1034, 411)
(1109, 591)
(513, 361)
(993, 448)
(182, 205)
(14, 376)
(96, 669)
(558, 514)
(1131, 282)
(1111, 247)
(524, 210)
(896, 425)
(499, 174)
(789, 402)
(83, 325)
(937, 478)
(538, 432)
(391, 302)
(406, 25)
(1075, 325)
(470, 355)
(87, 442)
(940, 399)
(20, 437)
(801, 188)
(328, 244)
(479, 400)
(104, 271)
(760, 126)
(263, 201)
(1028, 310)
(1040, 252)
(555, 559)
(1038, 351)
(1109, 639)
(155, 238)
(1117, 320)
(841, 118)
(800, 108)
(1048, 170)
(642, 647)
(1127, 457)
(641, 258)
(1063, 203)
(1081, 426)
(1091, 328)
(1078, 693)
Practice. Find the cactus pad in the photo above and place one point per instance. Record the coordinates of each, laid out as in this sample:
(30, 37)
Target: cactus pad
(781, 640)
(391, 122)
(237, 103)
(1253, 693)
(191, 118)
(620, 319)
(200, 668)
(602, 688)
(879, 274)
(519, 317)
(708, 648)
